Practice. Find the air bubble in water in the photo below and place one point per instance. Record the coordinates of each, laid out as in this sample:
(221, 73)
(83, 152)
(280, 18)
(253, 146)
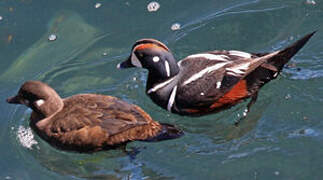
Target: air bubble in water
(153, 6)
(176, 26)
(52, 37)
(312, 2)
(97, 5)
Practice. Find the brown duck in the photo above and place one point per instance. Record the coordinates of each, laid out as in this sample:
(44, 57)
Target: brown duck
(88, 122)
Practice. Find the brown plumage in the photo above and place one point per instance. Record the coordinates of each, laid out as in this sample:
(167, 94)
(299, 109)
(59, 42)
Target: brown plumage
(88, 122)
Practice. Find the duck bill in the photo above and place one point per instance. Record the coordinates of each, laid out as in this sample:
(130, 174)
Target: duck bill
(125, 64)
(14, 100)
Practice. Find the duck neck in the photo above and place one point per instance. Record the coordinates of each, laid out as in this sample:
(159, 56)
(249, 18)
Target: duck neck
(50, 106)
(167, 70)
(154, 79)
(159, 90)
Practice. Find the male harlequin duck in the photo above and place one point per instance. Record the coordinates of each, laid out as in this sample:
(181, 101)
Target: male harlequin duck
(88, 122)
(206, 82)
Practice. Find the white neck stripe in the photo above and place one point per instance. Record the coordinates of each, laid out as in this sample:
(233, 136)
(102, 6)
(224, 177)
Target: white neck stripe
(171, 99)
(160, 85)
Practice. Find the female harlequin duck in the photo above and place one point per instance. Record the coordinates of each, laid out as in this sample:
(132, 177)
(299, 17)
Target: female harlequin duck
(206, 82)
(88, 122)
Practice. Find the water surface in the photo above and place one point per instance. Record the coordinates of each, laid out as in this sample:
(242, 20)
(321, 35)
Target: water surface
(280, 139)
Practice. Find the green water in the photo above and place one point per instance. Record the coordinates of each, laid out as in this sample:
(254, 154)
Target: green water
(280, 139)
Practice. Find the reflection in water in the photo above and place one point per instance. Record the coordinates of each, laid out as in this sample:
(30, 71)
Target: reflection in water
(112, 164)
(75, 36)
(101, 164)
(79, 165)
(220, 134)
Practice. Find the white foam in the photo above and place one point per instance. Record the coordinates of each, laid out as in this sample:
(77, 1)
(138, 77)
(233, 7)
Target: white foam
(26, 137)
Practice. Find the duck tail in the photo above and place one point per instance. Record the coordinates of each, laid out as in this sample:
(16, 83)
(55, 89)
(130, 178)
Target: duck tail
(286, 54)
(270, 70)
(167, 132)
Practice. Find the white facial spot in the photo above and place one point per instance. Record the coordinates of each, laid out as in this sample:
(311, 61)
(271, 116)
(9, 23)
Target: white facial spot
(167, 68)
(135, 61)
(156, 59)
(218, 84)
(40, 102)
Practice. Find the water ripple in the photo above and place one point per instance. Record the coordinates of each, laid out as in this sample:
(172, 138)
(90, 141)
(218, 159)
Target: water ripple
(249, 153)
(202, 21)
(307, 132)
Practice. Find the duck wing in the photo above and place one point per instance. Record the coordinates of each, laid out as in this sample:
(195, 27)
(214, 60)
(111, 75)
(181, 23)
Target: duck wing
(94, 120)
(207, 77)
(110, 113)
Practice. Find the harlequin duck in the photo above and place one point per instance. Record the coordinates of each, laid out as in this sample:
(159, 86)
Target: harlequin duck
(88, 122)
(206, 82)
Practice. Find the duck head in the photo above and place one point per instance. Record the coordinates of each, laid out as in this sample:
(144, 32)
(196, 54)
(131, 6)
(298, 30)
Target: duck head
(40, 97)
(153, 56)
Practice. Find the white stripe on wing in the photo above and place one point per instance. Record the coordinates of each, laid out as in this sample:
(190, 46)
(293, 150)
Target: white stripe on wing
(203, 72)
(240, 53)
(210, 56)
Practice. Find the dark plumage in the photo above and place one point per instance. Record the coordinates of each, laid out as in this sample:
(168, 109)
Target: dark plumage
(206, 82)
(88, 122)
